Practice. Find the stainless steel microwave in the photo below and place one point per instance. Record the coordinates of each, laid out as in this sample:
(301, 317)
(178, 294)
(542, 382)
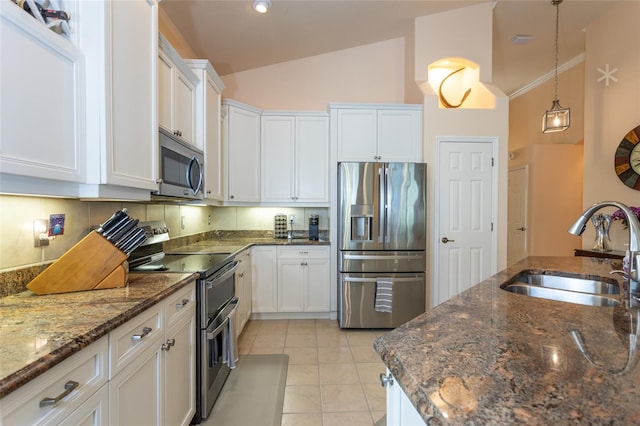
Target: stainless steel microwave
(181, 168)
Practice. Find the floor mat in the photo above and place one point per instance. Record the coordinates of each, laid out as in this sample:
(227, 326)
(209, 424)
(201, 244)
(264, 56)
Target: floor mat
(253, 393)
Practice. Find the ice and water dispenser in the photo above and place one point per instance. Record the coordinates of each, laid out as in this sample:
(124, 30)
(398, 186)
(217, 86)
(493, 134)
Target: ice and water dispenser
(361, 222)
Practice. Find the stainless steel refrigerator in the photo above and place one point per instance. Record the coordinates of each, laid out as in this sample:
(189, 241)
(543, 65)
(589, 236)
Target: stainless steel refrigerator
(381, 243)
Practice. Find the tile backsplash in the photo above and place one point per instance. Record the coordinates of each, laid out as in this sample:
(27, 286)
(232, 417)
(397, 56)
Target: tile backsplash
(20, 260)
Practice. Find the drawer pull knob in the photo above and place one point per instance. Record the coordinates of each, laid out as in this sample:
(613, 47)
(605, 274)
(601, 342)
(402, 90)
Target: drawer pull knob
(68, 388)
(386, 380)
(145, 331)
(167, 345)
(183, 304)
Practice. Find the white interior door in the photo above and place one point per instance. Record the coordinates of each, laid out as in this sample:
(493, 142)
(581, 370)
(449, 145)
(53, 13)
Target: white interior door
(517, 215)
(464, 203)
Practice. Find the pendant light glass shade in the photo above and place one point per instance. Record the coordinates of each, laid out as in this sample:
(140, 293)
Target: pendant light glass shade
(556, 119)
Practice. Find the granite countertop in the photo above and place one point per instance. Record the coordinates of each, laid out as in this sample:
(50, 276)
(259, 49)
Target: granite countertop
(235, 244)
(488, 356)
(38, 332)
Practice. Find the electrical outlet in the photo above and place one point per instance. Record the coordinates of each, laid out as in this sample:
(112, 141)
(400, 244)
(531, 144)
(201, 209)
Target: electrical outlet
(209, 220)
(182, 222)
(292, 219)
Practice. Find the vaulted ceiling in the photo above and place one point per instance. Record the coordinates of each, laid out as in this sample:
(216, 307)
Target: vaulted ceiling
(231, 35)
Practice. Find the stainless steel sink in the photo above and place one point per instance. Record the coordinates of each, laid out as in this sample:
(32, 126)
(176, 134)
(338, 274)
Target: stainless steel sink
(571, 289)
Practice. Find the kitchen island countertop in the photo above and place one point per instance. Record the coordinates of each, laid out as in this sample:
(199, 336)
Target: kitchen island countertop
(38, 332)
(488, 356)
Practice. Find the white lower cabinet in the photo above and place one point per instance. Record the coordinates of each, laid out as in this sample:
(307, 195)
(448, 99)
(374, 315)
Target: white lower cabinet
(290, 279)
(55, 395)
(264, 274)
(400, 410)
(303, 279)
(93, 412)
(243, 290)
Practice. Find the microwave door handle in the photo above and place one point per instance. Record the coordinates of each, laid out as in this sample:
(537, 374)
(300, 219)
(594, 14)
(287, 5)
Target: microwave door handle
(194, 188)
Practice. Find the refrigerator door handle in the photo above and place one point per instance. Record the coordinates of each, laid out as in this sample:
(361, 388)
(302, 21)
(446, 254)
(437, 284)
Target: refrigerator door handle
(382, 213)
(373, 280)
(381, 257)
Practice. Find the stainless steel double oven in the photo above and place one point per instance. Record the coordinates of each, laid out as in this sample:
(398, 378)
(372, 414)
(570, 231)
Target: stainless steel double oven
(216, 345)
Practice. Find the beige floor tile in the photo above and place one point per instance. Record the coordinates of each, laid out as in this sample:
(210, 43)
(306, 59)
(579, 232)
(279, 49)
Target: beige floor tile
(269, 339)
(261, 350)
(301, 327)
(302, 355)
(343, 398)
(279, 326)
(369, 372)
(327, 324)
(329, 337)
(334, 354)
(376, 396)
(364, 354)
(302, 419)
(338, 374)
(302, 399)
(361, 337)
(301, 341)
(251, 328)
(378, 417)
(302, 374)
(362, 418)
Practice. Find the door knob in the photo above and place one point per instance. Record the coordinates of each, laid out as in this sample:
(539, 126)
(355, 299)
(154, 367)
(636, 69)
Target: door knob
(386, 380)
(446, 240)
(521, 229)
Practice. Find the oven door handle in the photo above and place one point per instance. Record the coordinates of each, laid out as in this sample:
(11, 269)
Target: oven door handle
(223, 273)
(213, 331)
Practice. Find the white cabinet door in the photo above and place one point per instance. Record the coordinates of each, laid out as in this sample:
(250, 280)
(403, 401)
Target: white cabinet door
(179, 372)
(400, 410)
(243, 290)
(135, 392)
(93, 412)
(291, 275)
(242, 143)
(316, 285)
(184, 107)
(165, 92)
(119, 40)
(43, 100)
(278, 155)
(400, 135)
(357, 137)
(264, 279)
(312, 159)
(208, 126)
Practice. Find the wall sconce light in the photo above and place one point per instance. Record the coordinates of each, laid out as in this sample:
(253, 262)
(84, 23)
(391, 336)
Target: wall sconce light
(40, 230)
(557, 119)
(261, 6)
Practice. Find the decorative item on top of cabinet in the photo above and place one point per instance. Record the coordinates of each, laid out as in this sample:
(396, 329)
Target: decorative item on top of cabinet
(176, 94)
(208, 126)
(295, 157)
(371, 132)
(241, 142)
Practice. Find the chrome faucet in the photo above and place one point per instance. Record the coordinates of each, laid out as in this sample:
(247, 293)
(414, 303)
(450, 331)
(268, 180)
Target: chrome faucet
(633, 253)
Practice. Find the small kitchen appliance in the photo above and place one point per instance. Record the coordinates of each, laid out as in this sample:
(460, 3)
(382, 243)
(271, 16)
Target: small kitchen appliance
(314, 221)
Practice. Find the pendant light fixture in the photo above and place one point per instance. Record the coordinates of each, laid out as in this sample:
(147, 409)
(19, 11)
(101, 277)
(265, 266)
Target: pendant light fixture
(556, 119)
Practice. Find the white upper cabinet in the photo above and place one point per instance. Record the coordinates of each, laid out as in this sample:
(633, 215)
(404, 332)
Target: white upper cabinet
(383, 133)
(241, 141)
(295, 157)
(176, 94)
(42, 119)
(120, 44)
(208, 126)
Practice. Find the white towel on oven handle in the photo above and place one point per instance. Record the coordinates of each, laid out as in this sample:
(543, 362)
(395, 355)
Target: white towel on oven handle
(384, 295)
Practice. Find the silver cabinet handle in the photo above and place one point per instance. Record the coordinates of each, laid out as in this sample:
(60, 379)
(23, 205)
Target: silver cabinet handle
(183, 304)
(446, 240)
(145, 331)
(241, 275)
(386, 380)
(167, 345)
(68, 388)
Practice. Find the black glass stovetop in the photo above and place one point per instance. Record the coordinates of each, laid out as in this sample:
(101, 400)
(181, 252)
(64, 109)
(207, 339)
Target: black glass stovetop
(205, 264)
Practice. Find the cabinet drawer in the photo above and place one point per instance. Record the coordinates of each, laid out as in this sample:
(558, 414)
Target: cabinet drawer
(181, 303)
(71, 383)
(133, 337)
(303, 252)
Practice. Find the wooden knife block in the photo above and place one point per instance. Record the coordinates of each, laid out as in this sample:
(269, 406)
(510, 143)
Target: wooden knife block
(93, 263)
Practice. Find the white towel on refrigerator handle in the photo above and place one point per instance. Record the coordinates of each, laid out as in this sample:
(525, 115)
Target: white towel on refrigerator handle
(384, 295)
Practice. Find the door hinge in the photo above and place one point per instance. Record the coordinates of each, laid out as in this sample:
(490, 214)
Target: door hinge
(491, 161)
(491, 226)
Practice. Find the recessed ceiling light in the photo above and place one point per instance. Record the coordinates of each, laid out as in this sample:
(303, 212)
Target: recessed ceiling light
(261, 6)
(521, 38)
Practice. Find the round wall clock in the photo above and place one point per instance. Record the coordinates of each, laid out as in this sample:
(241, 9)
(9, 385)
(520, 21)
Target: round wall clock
(627, 159)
